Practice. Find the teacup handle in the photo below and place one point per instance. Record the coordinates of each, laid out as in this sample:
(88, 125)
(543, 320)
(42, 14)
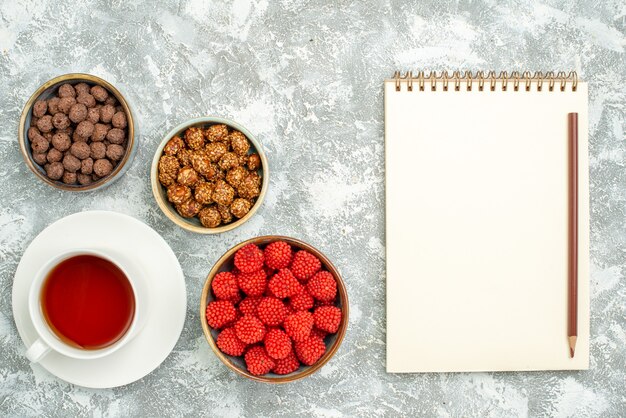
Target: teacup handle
(36, 351)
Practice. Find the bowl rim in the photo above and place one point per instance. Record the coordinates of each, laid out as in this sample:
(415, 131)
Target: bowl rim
(167, 208)
(341, 289)
(23, 140)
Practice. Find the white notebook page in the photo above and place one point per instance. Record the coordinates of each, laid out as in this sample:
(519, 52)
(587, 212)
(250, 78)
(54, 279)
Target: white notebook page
(476, 229)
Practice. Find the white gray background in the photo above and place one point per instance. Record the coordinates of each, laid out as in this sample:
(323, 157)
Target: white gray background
(306, 78)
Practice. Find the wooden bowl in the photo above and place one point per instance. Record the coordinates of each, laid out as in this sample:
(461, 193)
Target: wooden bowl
(47, 90)
(160, 192)
(333, 341)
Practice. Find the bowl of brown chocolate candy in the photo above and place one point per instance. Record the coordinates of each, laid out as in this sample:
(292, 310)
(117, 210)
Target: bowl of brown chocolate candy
(77, 133)
(209, 175)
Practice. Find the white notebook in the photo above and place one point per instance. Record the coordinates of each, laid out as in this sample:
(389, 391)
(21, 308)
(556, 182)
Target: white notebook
(476, 223)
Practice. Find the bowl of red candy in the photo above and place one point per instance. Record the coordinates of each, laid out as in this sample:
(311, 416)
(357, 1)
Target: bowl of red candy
(274, 309)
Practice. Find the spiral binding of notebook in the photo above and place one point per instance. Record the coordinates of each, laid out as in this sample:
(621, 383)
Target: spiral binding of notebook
(490, 81)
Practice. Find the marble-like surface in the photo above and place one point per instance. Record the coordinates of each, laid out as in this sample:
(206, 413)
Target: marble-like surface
(306, 77)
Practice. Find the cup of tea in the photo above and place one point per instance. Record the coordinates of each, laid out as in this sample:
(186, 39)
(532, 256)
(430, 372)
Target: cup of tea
(84, 304)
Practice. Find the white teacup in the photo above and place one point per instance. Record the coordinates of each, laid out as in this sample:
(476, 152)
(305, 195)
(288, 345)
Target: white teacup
(48, 340)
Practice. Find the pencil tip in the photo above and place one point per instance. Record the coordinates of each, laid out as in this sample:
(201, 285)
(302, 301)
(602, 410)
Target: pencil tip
(572, 345)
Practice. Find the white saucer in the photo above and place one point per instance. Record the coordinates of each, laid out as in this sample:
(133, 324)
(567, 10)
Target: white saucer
(148, 254)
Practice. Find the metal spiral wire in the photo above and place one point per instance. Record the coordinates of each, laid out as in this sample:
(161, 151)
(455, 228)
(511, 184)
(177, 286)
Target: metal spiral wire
(491, 81)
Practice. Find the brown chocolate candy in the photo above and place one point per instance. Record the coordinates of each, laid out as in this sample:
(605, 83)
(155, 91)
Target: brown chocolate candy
(40, 157)
(66, 90)
(93, 115)
(84, 129)
(106, 113)
(99, 93)
(40, 108)
(78, 113)
(102, 167)
(54, 155)
(81, 88)
(115, 152)
(119, 120)
(71, 163)
(69, 177)
(44, 124)
(54, 170)
(60, 121)
(86, 99)
(61, 141)
(80, 150)
(32, 133)
(116, 136)
(86, 166)
(53, 105)
(98, 150)
(40, 144)
(65, 104)
(99, 132)
(84, 179)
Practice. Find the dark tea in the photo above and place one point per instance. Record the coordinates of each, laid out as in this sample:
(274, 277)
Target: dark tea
(88, 302)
